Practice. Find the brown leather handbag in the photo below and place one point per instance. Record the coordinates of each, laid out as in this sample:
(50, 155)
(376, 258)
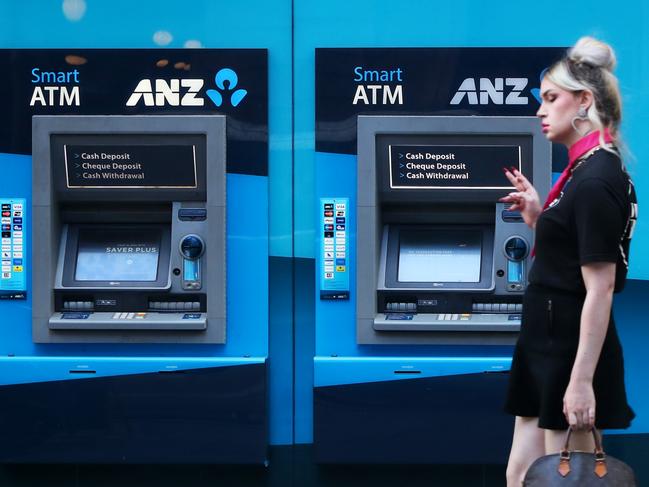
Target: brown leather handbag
(582, 469)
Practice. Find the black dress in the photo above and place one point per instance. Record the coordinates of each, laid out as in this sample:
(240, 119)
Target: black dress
(592, 221)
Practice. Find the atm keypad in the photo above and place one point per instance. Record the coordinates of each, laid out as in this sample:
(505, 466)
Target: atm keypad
(402, 307)
(77, 305)
(175, 305)
(497, 307)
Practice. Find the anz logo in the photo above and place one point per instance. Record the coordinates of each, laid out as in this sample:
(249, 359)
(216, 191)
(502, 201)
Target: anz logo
(186, 92)
(491, 91)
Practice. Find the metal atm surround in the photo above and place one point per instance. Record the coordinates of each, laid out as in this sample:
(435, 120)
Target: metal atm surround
(156, 207)
(377, 209)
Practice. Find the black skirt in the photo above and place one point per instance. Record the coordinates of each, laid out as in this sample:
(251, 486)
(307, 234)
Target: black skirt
(543, 360)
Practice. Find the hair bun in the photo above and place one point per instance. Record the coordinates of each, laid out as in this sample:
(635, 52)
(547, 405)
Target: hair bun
(589, 50)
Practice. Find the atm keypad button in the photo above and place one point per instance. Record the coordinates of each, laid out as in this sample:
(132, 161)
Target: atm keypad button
(479, 306)
(187, 306)
(519, 307)
(440, 317)
(511, 307)
(130, 316)
(486, 307)
(116, 316)
(196, 306)
(402, 306)
(411, 307)
(122, 316)
(454, 317)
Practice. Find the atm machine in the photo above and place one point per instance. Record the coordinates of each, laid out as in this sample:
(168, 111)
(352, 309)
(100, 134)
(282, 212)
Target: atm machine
(124, 248)
(437, 270)
(443, 261)
(130, 358)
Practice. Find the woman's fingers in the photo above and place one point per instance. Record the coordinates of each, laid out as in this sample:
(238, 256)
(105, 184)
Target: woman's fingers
(515, 180)
(580, 419)
(519, 200)
(522, 180)
(591, 417)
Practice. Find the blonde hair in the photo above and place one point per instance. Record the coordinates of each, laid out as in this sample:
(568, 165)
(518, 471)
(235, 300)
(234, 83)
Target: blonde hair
(589, 66)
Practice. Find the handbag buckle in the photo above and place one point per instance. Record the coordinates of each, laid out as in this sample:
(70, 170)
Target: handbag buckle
(564, 463)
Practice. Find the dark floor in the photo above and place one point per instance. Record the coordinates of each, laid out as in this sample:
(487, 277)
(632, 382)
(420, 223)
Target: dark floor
(203, 476)
(292, 466)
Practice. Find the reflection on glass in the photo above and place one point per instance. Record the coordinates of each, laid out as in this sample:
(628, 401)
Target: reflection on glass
(118, 255)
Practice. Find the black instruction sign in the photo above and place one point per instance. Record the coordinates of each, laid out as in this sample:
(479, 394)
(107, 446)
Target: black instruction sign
(451, 166)
(130, 166)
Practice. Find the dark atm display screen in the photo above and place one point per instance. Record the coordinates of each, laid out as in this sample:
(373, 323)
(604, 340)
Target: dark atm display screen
(118, 255)
(431, 256)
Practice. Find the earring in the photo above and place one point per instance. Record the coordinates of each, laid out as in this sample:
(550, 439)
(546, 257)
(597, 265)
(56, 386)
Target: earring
(582, 115)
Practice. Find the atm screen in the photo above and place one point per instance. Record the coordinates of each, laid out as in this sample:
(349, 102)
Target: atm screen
(434, 256)
(437, 257)
(118, 255)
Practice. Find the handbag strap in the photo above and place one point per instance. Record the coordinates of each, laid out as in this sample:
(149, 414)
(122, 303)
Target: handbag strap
(600, 456)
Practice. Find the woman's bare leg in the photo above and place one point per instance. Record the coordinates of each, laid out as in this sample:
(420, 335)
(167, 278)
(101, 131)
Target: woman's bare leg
(528, 444)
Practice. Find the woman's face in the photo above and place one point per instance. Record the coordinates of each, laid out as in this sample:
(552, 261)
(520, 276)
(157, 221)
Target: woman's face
(558, 108)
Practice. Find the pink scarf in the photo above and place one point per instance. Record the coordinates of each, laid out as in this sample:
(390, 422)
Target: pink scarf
(576, 150)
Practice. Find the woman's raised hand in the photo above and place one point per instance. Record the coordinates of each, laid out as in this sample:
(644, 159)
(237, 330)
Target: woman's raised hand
(525, 199)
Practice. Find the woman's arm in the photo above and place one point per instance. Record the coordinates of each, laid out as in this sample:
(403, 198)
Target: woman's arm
(579, 399)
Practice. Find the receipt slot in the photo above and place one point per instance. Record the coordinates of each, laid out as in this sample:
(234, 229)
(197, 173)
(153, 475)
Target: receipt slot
(129, 229)
(442, 261)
